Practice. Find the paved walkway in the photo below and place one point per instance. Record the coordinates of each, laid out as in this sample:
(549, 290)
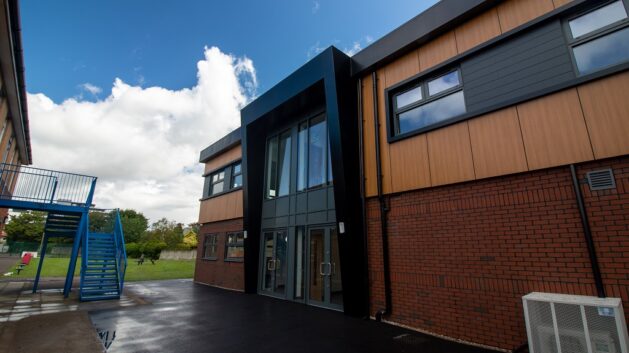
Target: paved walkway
(186, 317)
(7, 262)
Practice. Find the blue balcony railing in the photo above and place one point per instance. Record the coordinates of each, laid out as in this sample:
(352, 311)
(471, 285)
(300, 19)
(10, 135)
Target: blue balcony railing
(23, 183)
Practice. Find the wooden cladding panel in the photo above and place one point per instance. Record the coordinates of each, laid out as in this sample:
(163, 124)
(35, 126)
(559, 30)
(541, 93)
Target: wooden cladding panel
(513, 13)
(369, 138)
(7, 135)
(606, 110)
(228, 206)
(450, 155)
(409, 164)
(560, 3)
(438, 50)
(4, 111)
(401, 69)
(477, 30)
(497, 144)
(554, 131)
(222, 159)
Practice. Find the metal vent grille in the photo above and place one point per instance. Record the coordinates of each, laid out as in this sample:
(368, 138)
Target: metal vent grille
(601, 179)
(557, 323)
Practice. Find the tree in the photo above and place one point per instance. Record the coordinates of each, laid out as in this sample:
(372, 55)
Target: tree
(190, 239)
(27, 226)
(165, 231)
(134, 225)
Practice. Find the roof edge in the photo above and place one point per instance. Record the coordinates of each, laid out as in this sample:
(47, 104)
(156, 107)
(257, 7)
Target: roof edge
(439, 18)
(224, 143)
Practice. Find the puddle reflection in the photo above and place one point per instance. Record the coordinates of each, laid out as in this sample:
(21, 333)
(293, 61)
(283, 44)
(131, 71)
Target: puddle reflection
(107, 337)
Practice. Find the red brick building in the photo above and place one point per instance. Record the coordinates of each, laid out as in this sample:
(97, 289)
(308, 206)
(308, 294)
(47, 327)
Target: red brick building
(476, 154)
(220, 252)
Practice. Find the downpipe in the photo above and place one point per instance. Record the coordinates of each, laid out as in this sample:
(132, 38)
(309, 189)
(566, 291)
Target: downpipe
(383, 208)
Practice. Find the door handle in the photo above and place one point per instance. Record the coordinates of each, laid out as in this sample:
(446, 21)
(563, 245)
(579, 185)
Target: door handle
(321, 273)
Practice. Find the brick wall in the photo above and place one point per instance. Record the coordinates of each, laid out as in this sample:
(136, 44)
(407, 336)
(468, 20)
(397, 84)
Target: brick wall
(463, 255)
(221, 273)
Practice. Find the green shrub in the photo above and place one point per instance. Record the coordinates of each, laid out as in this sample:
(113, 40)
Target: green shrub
(133, 250)
(151, 250)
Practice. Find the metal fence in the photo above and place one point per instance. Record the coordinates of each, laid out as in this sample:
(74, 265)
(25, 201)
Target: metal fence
(23, 183)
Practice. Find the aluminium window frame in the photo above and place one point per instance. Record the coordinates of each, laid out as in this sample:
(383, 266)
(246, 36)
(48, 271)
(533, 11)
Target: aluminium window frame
(207, 244)
(207, 186)
(234, 175)
(238, 244)
(265, 189)
(573, 42)
(426, 98)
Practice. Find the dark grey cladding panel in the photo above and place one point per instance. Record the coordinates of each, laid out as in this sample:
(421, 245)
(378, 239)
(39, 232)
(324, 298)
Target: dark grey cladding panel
(533, 61)
(282, 206)
(302, 203)
(317, 200)
(318, 217)
(331, 198)
(331, 216)
(281, 221)
(301, 219)
(268, 208)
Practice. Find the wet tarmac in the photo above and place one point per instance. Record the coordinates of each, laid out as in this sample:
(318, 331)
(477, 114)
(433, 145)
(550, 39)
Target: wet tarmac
(187, 317)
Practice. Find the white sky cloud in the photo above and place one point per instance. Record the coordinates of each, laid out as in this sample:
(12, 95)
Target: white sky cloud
(143, 143)
(91, 88)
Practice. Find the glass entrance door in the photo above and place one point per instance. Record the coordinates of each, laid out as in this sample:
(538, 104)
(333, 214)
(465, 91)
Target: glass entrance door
(325, 287)
(274, 262)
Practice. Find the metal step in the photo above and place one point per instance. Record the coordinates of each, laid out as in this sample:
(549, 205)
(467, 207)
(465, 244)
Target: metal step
(99, 297)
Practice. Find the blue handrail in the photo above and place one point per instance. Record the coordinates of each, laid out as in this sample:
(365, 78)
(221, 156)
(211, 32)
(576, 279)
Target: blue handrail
(24, 183)
(121, 252)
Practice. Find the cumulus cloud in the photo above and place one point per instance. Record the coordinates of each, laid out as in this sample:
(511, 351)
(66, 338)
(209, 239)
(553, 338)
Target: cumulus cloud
(143, 143)
(358, 46)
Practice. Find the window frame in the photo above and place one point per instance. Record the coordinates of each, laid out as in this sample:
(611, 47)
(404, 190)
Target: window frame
(238, 245)
(278, 136)
(227, 187)
(234, 175)
(206, 243)
(422, 82)
(573, 42)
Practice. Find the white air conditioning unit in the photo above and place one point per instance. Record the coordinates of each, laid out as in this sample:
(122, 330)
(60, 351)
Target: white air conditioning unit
(560, 323)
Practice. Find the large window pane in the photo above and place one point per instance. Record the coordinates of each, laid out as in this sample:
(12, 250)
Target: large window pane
(271, 168)
(302, 156)
(283, 180)
(330, 177)
(603, 52)
(597, 19)
(317, 157)
(408, 97)
(443, 83)
(431, 113)
(217, 188)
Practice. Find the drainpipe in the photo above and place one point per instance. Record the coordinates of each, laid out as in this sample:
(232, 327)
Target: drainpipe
(361, 156)
(383, 208)
(587, 232)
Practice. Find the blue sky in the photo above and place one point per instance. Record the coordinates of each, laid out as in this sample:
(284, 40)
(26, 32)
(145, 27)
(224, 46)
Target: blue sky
(157, 43)
(130, 91)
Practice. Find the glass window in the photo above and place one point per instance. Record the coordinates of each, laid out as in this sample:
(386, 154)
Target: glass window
(236, 176)
(210, 246)
(283, 180)
(443, 83)
(602, 52)
(432, 113)
(597, 19)
(271, 169)
(408, 97)
(302, 156)
(234, 247)
(218, 182)
(330, 177)
(317, 152)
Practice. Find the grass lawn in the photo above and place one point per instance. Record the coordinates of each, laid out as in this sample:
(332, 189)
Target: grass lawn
(163, 269)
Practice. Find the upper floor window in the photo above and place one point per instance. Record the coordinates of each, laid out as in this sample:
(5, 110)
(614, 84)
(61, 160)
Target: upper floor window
(427, 103)
(278, 165)
(600, 37)
(309, 167)
(223, 180)
(236, 175)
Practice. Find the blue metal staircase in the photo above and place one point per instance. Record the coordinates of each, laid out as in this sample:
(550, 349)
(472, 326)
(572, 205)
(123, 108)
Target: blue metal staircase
(67, 198)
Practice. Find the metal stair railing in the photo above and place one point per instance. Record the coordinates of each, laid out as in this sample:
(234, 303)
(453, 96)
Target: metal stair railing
(24, 183)
(121, 251)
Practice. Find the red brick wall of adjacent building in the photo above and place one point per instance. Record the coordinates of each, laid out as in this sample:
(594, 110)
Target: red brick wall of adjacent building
(463, 255)
(220, 273)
